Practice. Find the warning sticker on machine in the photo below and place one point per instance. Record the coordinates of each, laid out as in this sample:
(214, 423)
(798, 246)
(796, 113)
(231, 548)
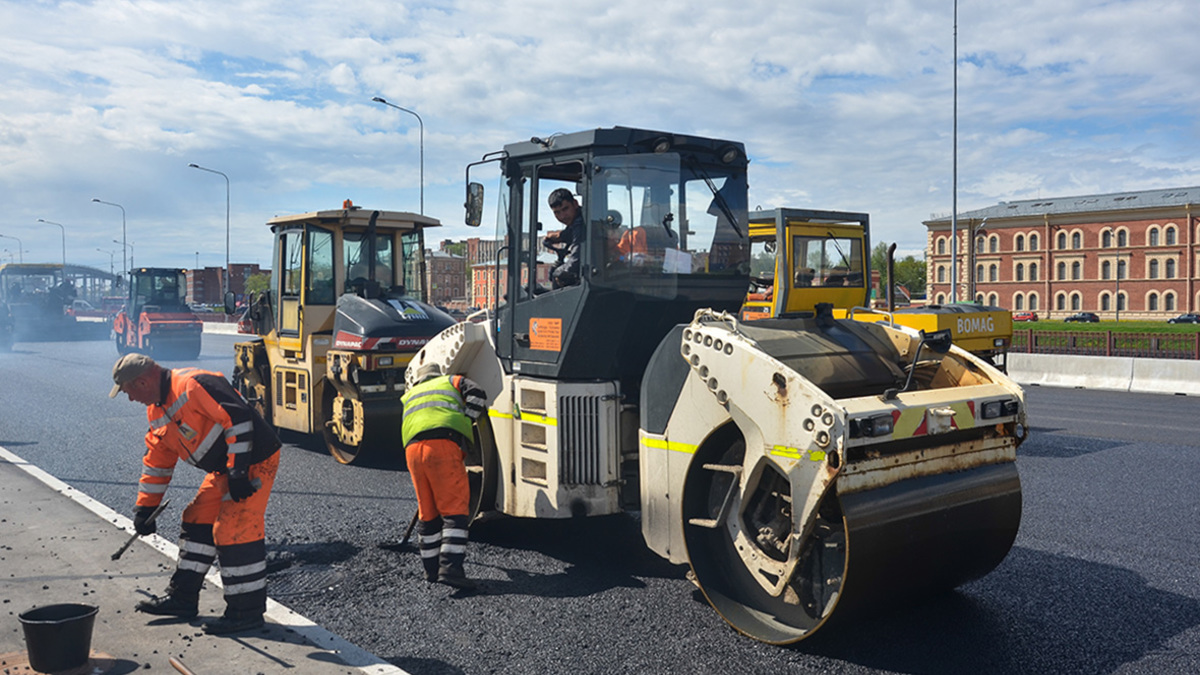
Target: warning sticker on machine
(545, 334)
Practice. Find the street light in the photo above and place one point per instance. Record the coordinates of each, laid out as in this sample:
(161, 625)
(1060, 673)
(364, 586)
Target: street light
(110, 258)
(20, 253)
(124, 265)
(130, 246)
(64, 240)
(1117, 300)
(379, 99)
(225, 289)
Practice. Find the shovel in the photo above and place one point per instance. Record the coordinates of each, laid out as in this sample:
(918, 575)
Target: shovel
(135, 535)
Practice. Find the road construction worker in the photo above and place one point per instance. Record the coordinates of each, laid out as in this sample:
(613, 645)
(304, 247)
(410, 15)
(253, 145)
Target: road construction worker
(197, 416)
(436, 430)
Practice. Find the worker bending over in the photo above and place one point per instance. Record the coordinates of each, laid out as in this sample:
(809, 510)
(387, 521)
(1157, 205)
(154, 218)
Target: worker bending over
(437, 431)
(197, 416)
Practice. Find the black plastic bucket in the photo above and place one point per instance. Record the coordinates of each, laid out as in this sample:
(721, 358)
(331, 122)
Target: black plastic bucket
(58, 637)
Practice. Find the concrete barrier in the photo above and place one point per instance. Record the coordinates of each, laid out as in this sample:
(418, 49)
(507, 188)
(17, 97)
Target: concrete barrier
(221, 328)
(1155, 376)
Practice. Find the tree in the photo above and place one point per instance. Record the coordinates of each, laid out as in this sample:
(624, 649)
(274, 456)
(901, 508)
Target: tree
(257, 283)
(909, 271)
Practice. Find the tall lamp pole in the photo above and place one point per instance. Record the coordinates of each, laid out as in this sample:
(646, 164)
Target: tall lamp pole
(225, 281)
(124, 264)
(421, 125)
(20, 253)
(64, 240)
(110, 258)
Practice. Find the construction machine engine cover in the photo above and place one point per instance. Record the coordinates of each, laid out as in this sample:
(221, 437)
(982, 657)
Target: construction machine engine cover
(386, 322)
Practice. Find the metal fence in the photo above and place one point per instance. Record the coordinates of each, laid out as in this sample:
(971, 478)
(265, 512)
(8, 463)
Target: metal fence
(1108, 343)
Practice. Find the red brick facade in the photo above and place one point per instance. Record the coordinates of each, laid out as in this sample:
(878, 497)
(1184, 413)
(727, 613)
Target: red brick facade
(1065, 260)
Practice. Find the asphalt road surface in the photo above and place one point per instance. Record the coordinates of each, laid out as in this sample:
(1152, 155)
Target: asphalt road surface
(1104, 576)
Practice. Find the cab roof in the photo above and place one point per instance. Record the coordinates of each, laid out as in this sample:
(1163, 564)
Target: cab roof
(358, 217)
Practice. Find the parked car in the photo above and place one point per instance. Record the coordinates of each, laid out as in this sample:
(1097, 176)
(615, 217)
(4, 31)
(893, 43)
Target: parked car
(1083, 317)
(1025, 316)
(1185, 318)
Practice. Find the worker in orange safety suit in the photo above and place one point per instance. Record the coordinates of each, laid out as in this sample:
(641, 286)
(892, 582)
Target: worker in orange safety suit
(197, 416)
(436, 431)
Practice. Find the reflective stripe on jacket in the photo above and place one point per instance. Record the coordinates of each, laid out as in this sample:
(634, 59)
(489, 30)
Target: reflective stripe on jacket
(433, 404)
(205, 422)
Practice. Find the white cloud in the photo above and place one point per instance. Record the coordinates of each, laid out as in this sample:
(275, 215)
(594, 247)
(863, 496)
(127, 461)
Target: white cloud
(841, 105)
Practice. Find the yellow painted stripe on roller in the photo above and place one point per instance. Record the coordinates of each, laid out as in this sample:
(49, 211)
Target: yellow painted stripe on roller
(501, 415)
(784, 451)
(660, 444)
(963, 417)
(910, 419)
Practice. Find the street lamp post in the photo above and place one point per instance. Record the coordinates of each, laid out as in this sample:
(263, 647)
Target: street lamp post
(225, 281)
(110, 258)
(124, 264)
(20, 253)
(64, 240)
(1117, 300)
(130, 247)
(421, 125)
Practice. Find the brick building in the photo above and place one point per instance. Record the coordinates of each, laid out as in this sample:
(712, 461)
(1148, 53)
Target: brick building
(446, 279)
(1135, 254)
(483, 281)
(204, 285)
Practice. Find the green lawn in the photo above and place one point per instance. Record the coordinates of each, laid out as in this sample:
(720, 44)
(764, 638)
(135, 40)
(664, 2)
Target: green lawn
(1116, 327)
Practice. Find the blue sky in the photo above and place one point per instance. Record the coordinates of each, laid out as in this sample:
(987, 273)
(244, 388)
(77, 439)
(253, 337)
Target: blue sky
(841, 106)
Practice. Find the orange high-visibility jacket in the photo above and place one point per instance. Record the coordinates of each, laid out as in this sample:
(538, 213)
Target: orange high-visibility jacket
(205, 422)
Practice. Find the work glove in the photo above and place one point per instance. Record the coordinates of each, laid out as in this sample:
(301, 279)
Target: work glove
(240, 486)
(141, 521)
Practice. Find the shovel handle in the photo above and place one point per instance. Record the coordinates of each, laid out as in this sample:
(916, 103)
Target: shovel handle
(135, 535)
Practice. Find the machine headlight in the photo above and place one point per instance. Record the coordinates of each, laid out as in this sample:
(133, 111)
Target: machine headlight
(877, 425)
(1001, 408)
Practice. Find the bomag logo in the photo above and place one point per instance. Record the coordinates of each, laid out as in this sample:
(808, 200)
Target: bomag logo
(977, 324)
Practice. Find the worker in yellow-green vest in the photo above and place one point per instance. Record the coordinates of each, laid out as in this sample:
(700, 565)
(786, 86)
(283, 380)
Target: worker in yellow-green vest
(437, 431)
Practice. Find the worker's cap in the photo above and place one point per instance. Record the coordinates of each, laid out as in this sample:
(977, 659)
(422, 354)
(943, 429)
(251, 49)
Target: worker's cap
(427, 371)
(129, 368)
(559, 196)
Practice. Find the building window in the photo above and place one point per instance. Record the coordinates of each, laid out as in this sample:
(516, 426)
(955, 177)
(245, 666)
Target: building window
(979, 273)
(1033, 301)
(1062, 240)
(1106, 270)
(1106, 239)
(993, 300)
(1033, 242)
(1170, 236)
(1153, 273)
(941, 299)
(1076, 302)
(1061, 270)
(979, 298)
(1154, 236)
(1033, 272)
(1060, 302)
(1018, 302)
(993, 244)
(1169, 302)
(1077, 240)
(1122, 239)
(1019, 242)
(1020, 272)
(1120, 269)
(941, 246)
(1076, 271)
(1152, 302)
(941, 274)
(994, 273)
(979, 244)
(1105, 301)
(1120, 302)
(1170, 268)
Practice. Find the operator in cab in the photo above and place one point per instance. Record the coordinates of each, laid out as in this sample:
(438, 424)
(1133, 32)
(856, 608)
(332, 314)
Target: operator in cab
(567, 241)
(197, 416)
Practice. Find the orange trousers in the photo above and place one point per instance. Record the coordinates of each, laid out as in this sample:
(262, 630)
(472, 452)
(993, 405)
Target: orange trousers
(439, 476)
(234, 522)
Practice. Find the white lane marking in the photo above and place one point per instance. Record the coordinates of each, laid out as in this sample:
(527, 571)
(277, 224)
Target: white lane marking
(353, 655)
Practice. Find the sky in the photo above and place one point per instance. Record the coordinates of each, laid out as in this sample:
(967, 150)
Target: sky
(841, 105)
